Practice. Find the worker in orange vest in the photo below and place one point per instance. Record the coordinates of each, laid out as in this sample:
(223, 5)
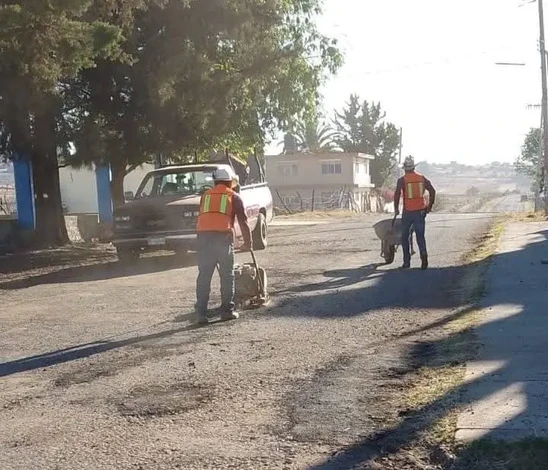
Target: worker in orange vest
(219, 207)
(413, 186)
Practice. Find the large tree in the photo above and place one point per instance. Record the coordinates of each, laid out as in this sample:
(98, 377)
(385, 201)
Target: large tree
(41, 44)
(361, 127)
(528, 162)
(197, 76)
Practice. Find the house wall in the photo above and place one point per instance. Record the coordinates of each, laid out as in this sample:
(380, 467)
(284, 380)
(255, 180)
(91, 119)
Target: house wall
(309, 170)
(79, 188)
(362, 174)
(303, 169)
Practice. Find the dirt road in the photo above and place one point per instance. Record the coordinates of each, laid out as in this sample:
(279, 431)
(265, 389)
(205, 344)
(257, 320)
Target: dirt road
(101, 370)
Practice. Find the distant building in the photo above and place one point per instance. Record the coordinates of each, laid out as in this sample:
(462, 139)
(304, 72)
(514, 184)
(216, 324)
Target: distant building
(302, 180)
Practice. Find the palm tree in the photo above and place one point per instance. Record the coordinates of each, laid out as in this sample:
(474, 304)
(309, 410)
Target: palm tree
(315, 136)
(312, 136)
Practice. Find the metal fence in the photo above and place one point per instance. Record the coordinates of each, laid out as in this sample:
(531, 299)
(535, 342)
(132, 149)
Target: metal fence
(321, 199)
(7, 199)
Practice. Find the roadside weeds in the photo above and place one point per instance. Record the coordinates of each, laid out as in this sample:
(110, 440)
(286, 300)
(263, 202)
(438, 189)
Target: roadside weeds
(531, 216)
(432, 401)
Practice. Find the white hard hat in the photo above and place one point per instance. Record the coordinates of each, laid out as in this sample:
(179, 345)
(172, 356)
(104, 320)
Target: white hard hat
(409, 163)
(222, 174)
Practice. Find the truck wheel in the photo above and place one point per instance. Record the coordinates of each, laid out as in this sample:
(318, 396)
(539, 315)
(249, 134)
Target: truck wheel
(260, 234)
(389, 253)
(127, 255)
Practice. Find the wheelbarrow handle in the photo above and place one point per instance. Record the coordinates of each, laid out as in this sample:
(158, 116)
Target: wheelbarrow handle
(261, 286)
(394, 220)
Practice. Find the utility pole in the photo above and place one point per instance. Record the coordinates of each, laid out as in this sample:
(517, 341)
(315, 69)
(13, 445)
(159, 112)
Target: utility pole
(400, 171)
(544, 98)
(540, 168)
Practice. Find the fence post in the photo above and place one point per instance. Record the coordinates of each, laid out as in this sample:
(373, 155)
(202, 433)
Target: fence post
(283, 203)
(313, 197)
(301, 199)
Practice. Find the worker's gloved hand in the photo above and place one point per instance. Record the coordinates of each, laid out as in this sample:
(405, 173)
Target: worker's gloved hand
(396, 212)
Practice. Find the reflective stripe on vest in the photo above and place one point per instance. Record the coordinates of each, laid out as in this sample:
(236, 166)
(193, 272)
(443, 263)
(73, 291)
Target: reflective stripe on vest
(223, 204)
(414, 190)
(216, 212)
(411, 192)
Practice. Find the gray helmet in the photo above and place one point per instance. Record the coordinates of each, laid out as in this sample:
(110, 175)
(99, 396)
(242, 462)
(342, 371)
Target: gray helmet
(409, 163)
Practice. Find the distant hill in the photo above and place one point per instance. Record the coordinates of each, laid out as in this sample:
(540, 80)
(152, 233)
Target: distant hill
(455, 178)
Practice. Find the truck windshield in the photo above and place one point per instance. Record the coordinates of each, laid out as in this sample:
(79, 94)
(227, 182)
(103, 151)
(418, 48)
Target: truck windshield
(176, 183)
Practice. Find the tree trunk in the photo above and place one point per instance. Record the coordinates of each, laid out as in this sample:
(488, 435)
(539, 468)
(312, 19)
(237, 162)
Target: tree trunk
(117, 184)
(51, 228)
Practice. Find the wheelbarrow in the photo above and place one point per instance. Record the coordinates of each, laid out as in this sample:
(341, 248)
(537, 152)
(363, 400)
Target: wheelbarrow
(250, 282)
(389, 231)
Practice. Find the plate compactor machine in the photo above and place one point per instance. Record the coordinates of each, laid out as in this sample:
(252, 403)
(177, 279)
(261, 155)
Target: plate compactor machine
(250, 285)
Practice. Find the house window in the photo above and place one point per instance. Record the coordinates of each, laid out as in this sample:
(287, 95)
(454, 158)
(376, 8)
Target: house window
(331, 168)
(287, 169)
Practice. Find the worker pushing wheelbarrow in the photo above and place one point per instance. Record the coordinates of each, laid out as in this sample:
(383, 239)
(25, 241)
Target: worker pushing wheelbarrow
(393, 233)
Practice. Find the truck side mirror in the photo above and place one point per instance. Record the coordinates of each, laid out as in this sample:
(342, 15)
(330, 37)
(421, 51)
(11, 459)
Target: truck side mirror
(129, 196)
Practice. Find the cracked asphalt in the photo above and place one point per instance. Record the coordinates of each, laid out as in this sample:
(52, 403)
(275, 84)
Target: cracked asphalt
(100, 368)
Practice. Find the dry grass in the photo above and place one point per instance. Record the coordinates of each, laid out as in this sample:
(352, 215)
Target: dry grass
(442, 372)
(447, 370)
(528, 217)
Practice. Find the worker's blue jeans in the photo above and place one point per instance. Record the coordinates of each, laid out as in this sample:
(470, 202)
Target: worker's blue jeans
(417, 220)
(215, 249)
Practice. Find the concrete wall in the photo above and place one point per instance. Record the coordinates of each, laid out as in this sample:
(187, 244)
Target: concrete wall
(362, 174)
(79, 188)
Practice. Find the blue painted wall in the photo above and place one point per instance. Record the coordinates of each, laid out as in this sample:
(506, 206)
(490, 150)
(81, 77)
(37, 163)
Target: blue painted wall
(24, 193)
(104, 200)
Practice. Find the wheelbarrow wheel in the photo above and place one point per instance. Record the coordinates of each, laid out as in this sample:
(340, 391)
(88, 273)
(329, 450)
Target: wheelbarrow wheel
(389, 253)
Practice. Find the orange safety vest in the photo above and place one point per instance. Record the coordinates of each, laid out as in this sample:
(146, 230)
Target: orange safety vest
(413, 192)
(216, 210)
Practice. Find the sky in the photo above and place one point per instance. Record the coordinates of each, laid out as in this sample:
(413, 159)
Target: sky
(431, 64)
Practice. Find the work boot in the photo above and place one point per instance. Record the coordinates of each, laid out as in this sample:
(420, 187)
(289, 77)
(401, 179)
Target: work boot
(228, 316)
(406, 265)
(200, 319)
(424, 259)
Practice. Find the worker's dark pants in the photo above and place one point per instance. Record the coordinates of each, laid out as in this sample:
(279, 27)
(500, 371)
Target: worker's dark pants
(215, 249)
(417, 220)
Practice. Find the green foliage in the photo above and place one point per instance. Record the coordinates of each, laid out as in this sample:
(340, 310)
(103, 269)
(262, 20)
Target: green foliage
(361, 127)
(528, 162)
(196, 77)
(40, 44)
(121, 81)
(314, 135)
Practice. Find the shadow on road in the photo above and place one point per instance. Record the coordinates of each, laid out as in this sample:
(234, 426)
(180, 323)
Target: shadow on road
(353, 292)
(81, 351)
(64, 268)
(413, 425)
